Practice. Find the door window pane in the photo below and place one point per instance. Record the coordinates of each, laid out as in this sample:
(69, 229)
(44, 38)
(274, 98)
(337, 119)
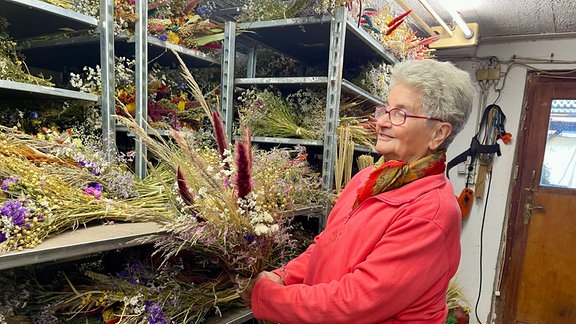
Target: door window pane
(559, 169)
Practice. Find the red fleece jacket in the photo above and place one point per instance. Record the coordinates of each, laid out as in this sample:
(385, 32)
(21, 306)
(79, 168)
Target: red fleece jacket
(388, 261)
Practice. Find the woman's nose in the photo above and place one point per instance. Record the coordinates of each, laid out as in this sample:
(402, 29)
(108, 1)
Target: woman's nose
(384, 120)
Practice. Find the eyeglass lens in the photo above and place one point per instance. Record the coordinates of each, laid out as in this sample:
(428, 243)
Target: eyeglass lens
(397, 116)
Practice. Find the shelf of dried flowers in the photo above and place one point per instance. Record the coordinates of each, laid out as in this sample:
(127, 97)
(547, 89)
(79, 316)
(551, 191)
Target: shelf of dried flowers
(330, 42)
(15, 79)
(47, 18)
(314, 81)
(81, 242)
(83, 50)
(310, 39)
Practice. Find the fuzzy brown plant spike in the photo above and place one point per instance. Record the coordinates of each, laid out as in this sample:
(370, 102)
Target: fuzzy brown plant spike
(183, 189)
(243, 179)
(219, 133)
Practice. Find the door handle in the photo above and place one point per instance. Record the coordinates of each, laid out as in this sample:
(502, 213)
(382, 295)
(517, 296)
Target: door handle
(528, 208)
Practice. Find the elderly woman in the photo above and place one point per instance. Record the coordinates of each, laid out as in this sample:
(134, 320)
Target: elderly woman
(392, 240)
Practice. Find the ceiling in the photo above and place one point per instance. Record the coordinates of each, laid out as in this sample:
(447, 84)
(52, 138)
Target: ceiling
(507, 19)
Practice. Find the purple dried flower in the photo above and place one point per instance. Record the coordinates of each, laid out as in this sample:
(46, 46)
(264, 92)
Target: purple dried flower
(96, 185)
(2, 237)
(156, 315)
(204, 10)
(15, 210)
(6, 183)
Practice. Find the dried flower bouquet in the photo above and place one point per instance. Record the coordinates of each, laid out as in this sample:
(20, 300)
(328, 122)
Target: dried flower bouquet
(235, 201)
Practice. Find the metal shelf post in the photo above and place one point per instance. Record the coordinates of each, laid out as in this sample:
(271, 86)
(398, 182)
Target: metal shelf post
(106, 30)
(227, 78)
(141, 43)
(333, 89)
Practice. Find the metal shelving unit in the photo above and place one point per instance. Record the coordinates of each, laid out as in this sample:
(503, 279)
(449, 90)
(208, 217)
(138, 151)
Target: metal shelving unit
(332, 42)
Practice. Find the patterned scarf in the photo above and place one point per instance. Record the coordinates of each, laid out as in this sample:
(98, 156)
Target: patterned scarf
(388, 175)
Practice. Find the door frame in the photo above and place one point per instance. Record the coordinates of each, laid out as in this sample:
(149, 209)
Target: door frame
(512, 260)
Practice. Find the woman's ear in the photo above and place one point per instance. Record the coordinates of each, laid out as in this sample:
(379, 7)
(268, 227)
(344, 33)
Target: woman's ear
(443, 130)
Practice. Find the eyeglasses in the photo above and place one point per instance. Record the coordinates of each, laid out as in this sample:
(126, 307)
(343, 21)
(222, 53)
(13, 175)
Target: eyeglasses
(397, 116)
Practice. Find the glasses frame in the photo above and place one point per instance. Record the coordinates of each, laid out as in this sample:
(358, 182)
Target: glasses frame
(382, 110)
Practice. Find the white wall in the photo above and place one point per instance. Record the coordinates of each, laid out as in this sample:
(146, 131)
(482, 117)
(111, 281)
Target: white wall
(496, 206)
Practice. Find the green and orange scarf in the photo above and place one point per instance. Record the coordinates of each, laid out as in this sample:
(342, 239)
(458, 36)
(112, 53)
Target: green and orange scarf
(388, 175)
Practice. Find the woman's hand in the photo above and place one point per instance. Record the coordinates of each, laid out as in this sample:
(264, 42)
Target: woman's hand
(245, 286)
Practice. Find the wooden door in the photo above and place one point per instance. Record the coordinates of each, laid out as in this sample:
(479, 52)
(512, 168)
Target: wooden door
(539, 271)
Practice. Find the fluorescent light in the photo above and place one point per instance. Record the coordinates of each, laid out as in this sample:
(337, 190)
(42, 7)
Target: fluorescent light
(433, 13)
(468, 33)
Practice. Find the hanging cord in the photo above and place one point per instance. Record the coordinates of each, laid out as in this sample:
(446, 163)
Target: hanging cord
(481, 245)
(492, 130)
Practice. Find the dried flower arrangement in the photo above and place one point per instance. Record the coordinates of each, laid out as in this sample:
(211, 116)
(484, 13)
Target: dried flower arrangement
(176, 21)
(41, 116)
(235, 205)
(235, 202)
(458, 306)
(388, 28)
(377, 17)
(260, 10)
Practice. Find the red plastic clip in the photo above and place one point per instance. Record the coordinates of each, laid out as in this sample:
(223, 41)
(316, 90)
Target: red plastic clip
(505, 137)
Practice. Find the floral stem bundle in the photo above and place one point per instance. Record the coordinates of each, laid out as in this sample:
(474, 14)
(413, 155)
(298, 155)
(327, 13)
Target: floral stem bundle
(43, 194)
(344, 158)
(266, 113)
